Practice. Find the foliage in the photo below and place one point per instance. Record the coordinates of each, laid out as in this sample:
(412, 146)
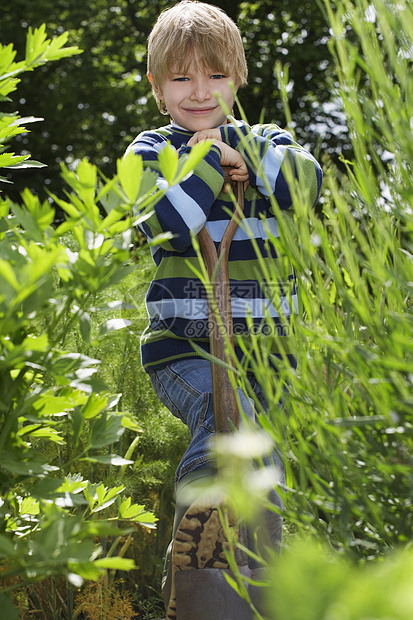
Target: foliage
(289, 41)
(58, 419)
(308, 583)
(39, 50)
(346, 428)
(350, 409)
(100, 602)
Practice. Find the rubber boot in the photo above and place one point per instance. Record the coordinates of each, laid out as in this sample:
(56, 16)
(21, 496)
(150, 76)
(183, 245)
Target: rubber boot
(183, 502)
(199, 541)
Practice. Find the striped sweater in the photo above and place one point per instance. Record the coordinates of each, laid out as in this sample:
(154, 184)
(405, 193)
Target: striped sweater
(176, 300)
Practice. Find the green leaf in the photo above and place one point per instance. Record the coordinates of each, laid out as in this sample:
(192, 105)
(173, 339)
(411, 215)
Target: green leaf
(94, 405)
(114, 325)
(168, 162)
(108, 459)
(27, 163)
(126, 511)
(84, 183)
(8, 275)
(97, 529)
(45, 432)
(130, 170)
(72, 484)
(116, 563)
(50, 404)
(10, 160)
(85, 326)
(40, 49)
(129, 422)
(56, 49)
(101, 497)
(46, 488)
(90, 492)
(85, 570)
(42, 213)
(29, 506)
(68, 208)
(67, 362)
(26, 463)
(188, 163)
(111, 201)
(7, 548)
(161, 238)
(137, 513)
(115, 221)
(113, 400)
(48, 433)
(106, 430)
(146, 519)
(36, 44)
(148, 186)
(8, 609)
(232, 582)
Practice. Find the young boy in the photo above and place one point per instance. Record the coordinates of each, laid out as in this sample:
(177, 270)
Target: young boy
(195, 57)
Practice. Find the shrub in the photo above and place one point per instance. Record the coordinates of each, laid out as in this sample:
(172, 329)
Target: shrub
(58, 419)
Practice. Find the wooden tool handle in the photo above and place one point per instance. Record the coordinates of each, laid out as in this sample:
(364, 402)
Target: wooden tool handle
(226, 414)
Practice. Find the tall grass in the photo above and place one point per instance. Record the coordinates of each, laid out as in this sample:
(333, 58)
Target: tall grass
(345, 430)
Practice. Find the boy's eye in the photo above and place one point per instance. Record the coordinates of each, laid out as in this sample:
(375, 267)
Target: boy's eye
(180, 79)
(217, 76)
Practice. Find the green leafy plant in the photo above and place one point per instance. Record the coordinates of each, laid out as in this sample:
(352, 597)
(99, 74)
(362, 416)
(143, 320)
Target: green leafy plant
(345, 429)
(39, 50)
(99, 602)
(308, 583)
(58, 420)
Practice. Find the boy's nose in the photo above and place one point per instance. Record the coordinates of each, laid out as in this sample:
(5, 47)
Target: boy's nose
(201, 91)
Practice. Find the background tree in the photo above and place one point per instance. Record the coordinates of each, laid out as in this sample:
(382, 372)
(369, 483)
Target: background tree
(94, 104)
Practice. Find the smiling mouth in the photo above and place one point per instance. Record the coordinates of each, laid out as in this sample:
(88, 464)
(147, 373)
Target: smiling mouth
(199, 110)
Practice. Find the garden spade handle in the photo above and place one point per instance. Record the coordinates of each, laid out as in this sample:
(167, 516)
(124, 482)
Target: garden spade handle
(226, 414)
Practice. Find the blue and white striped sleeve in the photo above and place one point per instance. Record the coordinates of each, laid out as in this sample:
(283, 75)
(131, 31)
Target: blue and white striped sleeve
(268, 151)
(184, 208)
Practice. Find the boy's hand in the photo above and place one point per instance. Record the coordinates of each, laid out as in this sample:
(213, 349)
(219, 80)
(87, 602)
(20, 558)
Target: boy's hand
(234, 162)
(206, 134)
(231, 160)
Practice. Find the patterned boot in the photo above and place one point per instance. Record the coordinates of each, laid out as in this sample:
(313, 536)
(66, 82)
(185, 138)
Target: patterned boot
(199, 537)
(200, 542)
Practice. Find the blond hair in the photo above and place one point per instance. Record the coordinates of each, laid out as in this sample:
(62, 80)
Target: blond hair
(190, 25)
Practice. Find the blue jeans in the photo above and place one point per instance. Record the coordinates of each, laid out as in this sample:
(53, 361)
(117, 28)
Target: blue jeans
(185, 388)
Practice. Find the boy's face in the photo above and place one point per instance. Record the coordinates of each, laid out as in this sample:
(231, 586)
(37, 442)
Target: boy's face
(190, 99)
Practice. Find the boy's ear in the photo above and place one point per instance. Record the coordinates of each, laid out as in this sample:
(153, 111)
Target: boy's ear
(156, 90)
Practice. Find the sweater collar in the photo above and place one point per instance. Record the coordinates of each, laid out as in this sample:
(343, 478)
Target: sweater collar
(174, 125)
